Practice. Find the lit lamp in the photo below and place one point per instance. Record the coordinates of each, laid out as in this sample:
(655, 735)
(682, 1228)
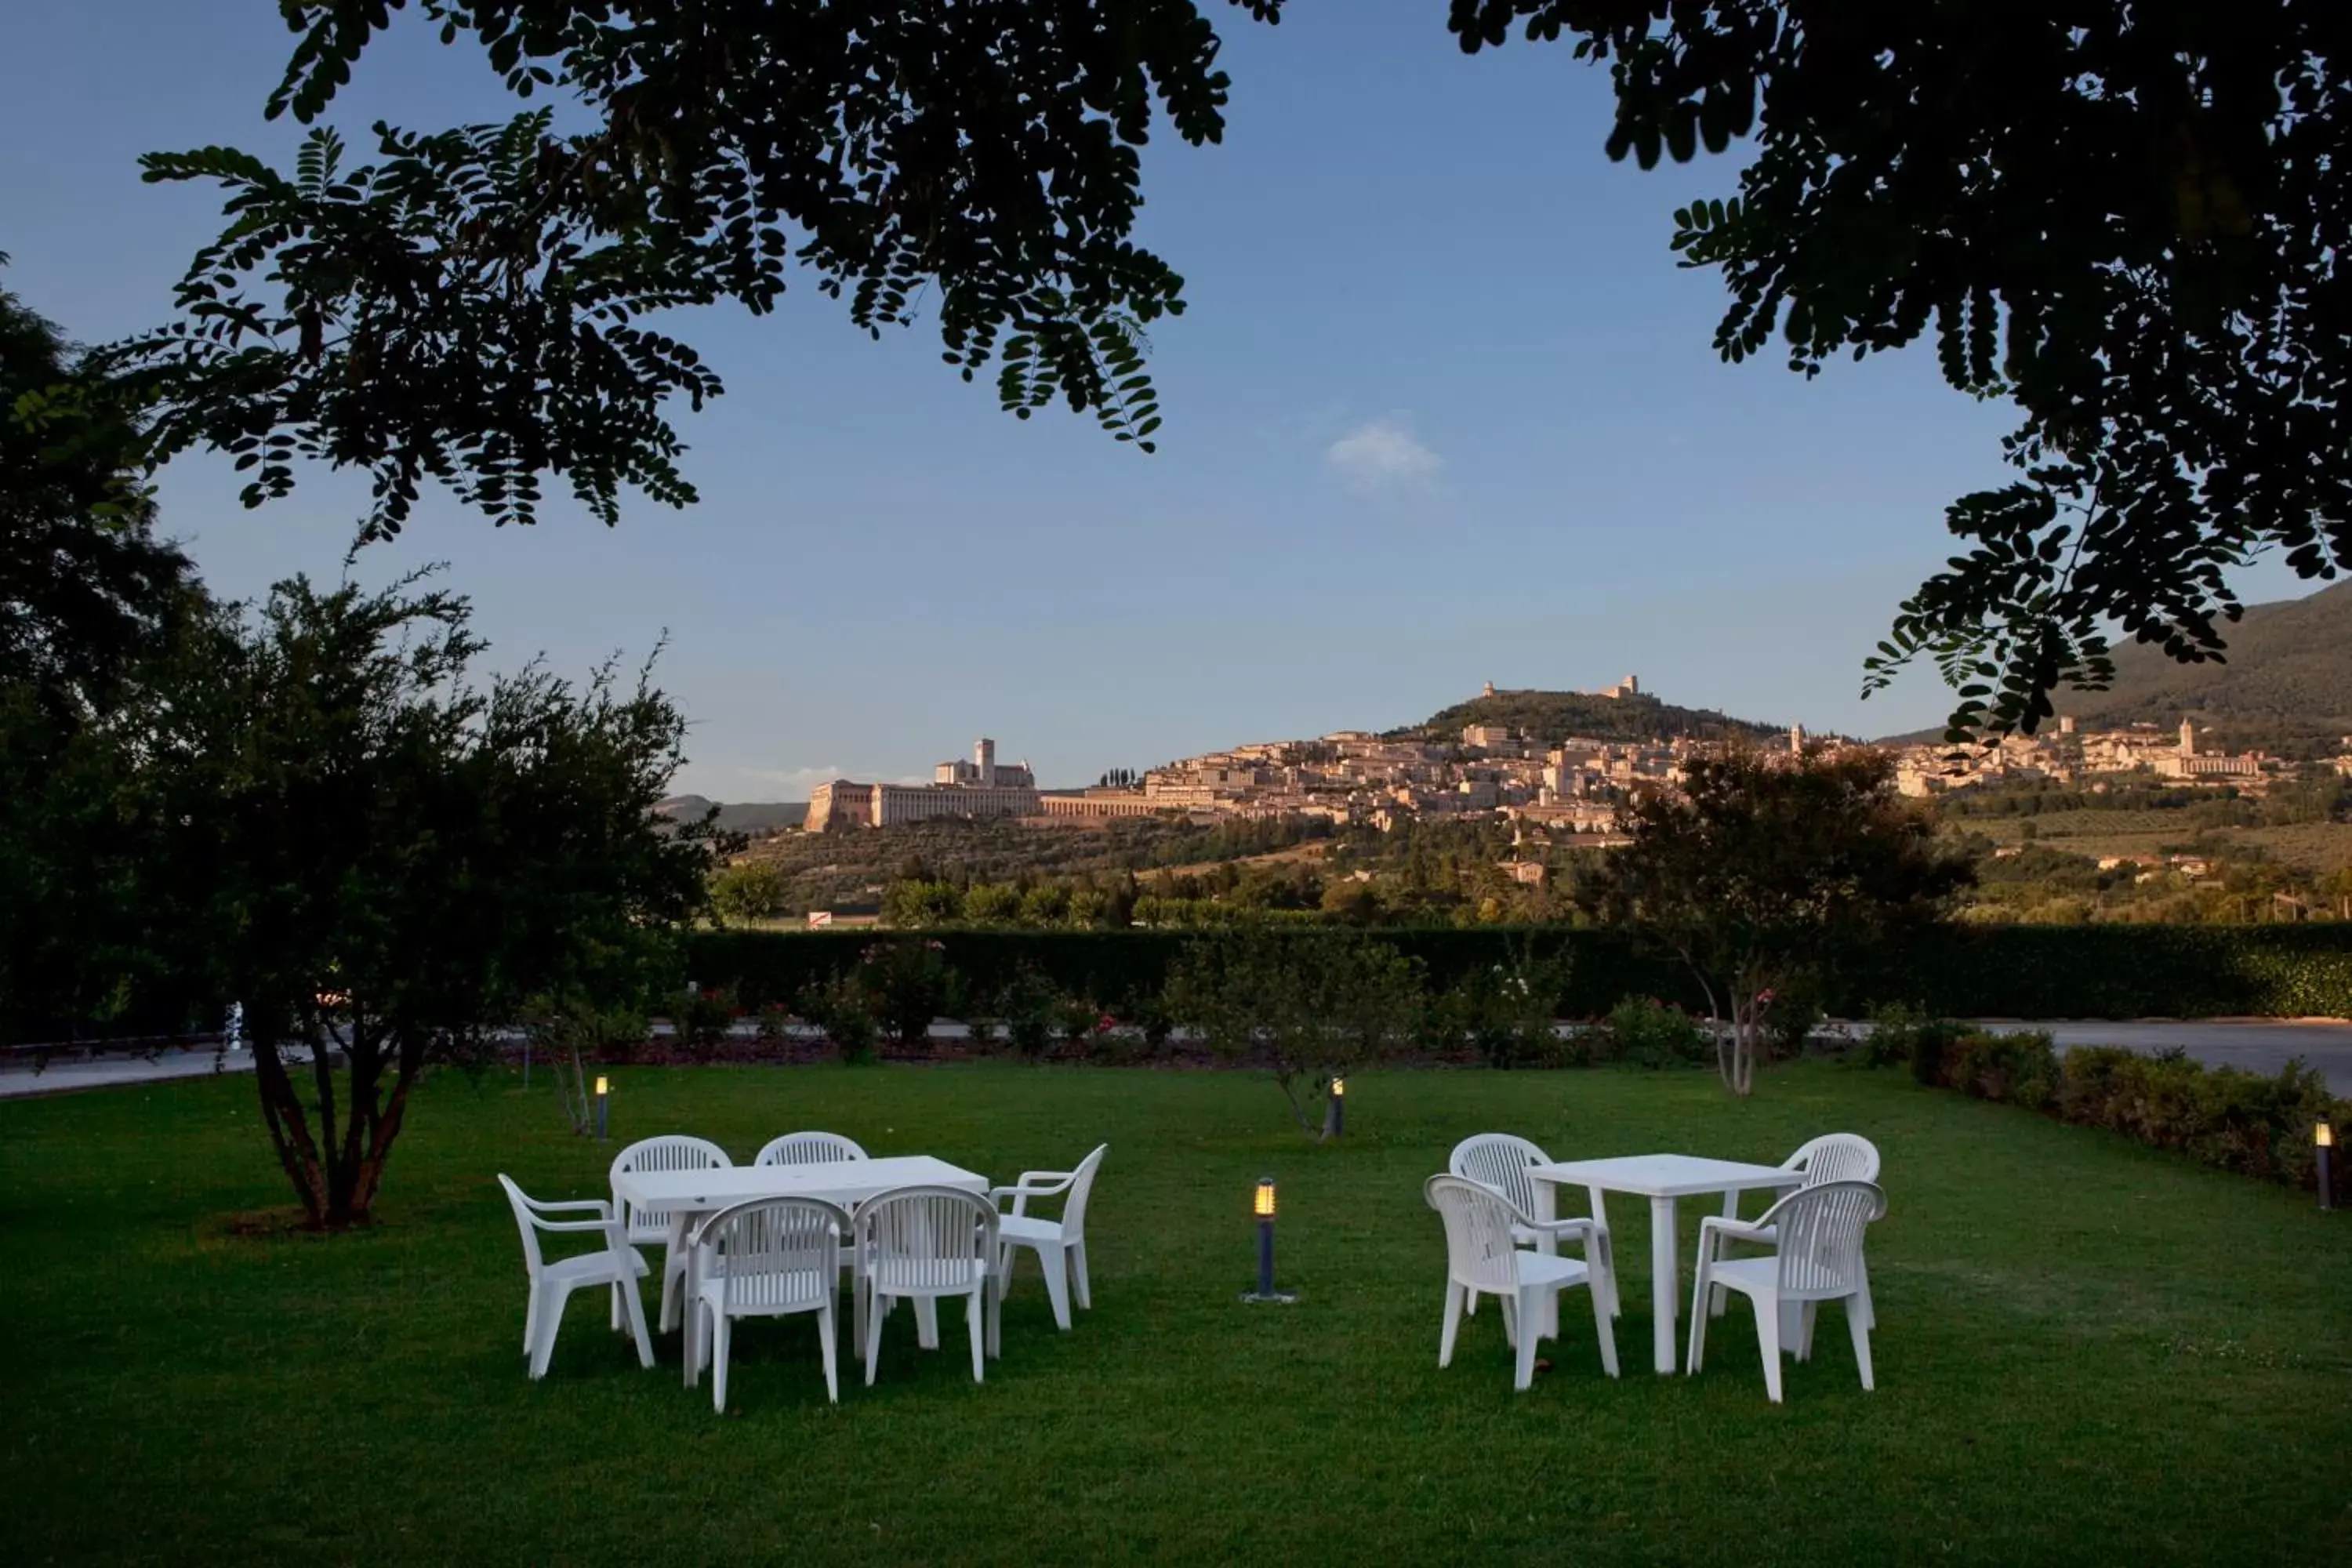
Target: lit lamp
(603, 1104)
(2323, 1139)
(1335, 1110)
(1262, 1206)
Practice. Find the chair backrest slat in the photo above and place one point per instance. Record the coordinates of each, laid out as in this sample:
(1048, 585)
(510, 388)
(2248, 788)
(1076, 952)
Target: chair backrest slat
(1835, 1157)
(776, 1253)
(532, 1262)
(1499, 1161)
(1082, 1187)
(1820, 1229)
(1478, 1220)
(923, 1239)
(808, 1148)
(672, 1151)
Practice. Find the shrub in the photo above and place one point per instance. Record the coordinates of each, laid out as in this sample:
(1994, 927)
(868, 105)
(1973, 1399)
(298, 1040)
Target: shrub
(1790, 1017)
(907, 981)
(844, 1010)
(706, 1016)
(567, 1036)
(1905, 1035)
(1505, 1011)
(1652, 1034)
(1079, 1022)
(1026, 1002)
(2236, 1121)
(2019, 1068)
(1305, 1010)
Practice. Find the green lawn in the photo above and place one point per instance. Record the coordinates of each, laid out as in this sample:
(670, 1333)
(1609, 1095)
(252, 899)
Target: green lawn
(2087, 1352)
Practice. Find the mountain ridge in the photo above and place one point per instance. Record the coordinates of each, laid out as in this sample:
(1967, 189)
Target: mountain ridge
(2284, 685)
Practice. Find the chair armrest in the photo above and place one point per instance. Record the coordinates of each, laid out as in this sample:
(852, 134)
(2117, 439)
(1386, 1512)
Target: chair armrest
(1714, 1227)
(1022, 1191)
(595, 1205)
(605, 1224)
(1036, 1190)
(1562, 1229)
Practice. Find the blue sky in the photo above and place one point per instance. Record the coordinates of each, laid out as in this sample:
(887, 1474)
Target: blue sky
(1442, 410)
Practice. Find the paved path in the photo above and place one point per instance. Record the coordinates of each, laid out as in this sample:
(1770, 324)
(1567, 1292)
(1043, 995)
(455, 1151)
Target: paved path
(2258, 1045)
(67, 1073)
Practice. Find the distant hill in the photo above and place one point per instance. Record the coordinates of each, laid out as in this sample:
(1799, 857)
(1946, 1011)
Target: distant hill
(741, 816)
(2286, 682)
(1554, 716)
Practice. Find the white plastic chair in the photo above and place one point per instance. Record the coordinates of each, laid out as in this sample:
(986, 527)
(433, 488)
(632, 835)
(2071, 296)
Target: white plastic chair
(921, 1244)
(808, 1148)
(675, 1151)
(615, 1264)
(1500, 1160)
(768, 1259)
(1832, 1157)
(1060, 1245)
(1817, 1257)
(1482, 1254)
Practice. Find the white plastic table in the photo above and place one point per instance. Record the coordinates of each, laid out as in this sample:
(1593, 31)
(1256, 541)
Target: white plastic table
(1661, 1179)
(690, 1196)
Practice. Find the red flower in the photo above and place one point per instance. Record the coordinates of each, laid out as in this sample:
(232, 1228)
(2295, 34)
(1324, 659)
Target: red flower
(1765, 996)
(1106, 1024)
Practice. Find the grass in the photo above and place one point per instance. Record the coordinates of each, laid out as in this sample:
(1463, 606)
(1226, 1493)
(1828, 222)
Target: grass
(2087, 1351)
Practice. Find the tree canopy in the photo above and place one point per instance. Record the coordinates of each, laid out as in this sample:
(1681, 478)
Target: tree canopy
(1765, 871)
(90, 599)
(86, 587)
(2125, 218)
(470, 307)
(386, 860)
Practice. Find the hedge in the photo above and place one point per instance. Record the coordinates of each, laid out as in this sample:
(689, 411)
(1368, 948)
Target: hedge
(2254, 1124)
(2002, 972)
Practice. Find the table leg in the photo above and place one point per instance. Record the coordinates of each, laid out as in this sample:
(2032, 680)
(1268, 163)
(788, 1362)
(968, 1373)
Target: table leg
(689, 1293)
(670, 1300)
(1547, 1312)
(1665, 1281)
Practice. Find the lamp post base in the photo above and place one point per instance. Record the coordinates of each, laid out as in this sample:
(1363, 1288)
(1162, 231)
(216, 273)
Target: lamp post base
(1268, 1297)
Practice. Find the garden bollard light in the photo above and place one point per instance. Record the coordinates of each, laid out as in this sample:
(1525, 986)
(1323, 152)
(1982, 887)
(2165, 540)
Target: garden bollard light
(2323, 1139)
(604, 1105)
(1335, 1111)
(1263, 1207)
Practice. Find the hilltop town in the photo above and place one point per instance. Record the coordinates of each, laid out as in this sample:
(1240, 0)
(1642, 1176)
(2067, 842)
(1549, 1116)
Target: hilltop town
(1562, 783)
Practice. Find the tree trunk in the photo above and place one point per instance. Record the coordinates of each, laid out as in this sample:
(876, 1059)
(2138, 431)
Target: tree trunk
(290, 1130)
(335, 1175)
(1311, 1126)
(1725, 1056)
(367, 1175)
(575, 1093)
(1743, 1045)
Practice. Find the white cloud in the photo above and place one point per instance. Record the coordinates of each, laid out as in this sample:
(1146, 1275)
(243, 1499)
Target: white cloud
(802, 780)
(1383, 457)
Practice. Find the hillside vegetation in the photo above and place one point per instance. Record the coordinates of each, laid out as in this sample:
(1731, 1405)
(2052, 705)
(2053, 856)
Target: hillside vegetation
(1554, 716)
(822, 869)
(2286, 684)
